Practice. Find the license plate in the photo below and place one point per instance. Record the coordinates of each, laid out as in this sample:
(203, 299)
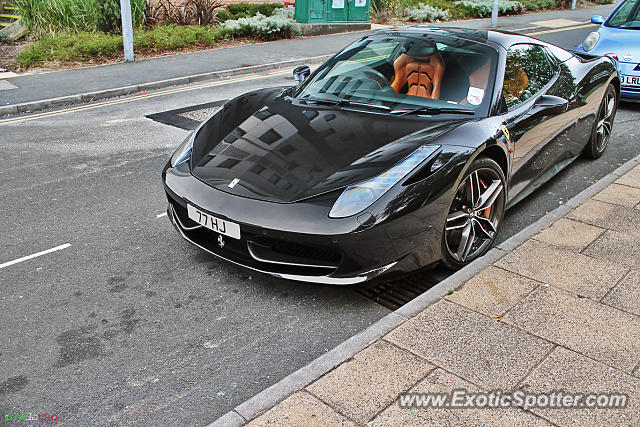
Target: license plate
(218, 225)
(631, 81)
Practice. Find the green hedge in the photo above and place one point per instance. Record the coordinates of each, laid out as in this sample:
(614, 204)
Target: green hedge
(247, 10)
(85, 46)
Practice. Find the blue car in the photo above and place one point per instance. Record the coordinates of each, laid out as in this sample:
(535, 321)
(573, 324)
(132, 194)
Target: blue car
(619, 38)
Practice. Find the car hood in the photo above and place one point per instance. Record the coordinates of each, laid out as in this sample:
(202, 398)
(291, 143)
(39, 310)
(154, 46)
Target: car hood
(287, 151)
(620, 41)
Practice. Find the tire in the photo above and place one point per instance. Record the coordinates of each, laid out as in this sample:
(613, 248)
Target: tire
(603, 125)
(475, 214)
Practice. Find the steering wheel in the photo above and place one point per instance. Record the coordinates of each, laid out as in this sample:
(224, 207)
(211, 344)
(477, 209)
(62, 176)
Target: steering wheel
(377, 77)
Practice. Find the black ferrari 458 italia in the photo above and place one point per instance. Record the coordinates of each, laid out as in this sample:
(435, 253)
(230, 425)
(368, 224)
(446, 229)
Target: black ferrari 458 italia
(401, 151)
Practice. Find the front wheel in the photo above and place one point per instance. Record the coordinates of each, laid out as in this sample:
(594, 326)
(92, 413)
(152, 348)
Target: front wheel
(475, 214)
(602, 127)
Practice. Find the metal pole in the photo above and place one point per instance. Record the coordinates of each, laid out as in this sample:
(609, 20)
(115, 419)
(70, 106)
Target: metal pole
(494, 14)
(573, 4)
(127, 30)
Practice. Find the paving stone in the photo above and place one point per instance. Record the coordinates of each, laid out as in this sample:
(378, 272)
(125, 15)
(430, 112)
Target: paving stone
(620, 195)
(606, 215)
(631, 178)
(617, 247)
(369, 382)
(569, 234)
(580, 324)
(470, 345)
(493, 291)
(563, 268)
(626, 294)
(574, 373)
(301, 409)
(440, 381)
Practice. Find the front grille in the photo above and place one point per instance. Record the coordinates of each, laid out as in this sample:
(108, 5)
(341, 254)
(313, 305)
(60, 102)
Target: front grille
(306, 254)
(183, 216)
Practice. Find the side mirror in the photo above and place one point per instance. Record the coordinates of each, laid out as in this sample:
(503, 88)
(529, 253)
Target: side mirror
(597, 19)
(301, 73)
(549, 105)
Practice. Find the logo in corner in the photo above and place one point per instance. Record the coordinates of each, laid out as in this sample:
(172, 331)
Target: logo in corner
(220, 242)
(233, 182)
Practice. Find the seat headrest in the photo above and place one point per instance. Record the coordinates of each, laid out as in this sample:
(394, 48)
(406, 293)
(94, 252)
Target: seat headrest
(421, 50)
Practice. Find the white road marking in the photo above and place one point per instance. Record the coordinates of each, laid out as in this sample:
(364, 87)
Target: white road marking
(161, 215)
(28, 257)
(558, 23)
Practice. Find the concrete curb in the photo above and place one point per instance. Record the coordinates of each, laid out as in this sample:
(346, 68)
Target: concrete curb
(304, 376)
(31, 106)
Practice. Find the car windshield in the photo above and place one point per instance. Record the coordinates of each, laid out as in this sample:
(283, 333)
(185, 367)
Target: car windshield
(429, 74)
(627, 16)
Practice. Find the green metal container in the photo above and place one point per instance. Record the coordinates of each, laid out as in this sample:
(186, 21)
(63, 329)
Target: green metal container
(319, 11)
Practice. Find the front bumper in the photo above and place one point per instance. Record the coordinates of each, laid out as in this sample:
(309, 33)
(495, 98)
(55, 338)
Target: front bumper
(321, 276)
(298, 241)
(631, 94)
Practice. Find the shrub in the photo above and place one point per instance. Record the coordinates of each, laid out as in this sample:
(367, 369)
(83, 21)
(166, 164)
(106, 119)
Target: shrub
(426, 13)
(246, 10)
(261, 27)
(86, 46)
(172, 37)
(284, 12)
(539, 4)
(70, 47)
(205, 10)
(50, 16)
(109, 17)
(482, 8)
(53, 16)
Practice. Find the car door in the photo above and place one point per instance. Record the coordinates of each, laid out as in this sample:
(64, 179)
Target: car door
(539, 122)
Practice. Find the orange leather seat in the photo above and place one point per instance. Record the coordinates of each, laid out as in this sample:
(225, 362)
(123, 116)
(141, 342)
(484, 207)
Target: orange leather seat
(422, 74)
(516, 82)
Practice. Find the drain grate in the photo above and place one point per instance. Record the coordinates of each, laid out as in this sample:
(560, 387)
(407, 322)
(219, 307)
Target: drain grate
(394, 294)
(187, 118)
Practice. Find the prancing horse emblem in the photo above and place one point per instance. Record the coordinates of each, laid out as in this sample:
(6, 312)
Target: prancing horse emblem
(233, 182)
(220, 242)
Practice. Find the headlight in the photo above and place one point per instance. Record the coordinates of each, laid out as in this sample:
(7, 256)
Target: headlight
(591, 41)
(359, 197)
(183, 152)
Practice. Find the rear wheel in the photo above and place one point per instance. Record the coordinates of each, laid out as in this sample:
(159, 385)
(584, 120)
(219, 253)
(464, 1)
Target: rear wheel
(475, 214)
(603, 125)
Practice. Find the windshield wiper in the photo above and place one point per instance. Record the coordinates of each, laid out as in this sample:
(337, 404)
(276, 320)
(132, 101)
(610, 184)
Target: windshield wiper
(431, 111)
(326, 101)
(342, 102)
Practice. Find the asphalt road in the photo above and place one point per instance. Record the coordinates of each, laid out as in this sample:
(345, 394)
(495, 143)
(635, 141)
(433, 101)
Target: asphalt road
(130, 324)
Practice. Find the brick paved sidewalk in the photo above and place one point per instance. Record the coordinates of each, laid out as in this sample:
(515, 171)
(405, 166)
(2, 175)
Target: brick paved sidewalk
(559, 312)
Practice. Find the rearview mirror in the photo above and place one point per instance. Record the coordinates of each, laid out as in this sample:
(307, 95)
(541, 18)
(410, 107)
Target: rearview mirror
(301, 73)
(549, 105)
(597, 19)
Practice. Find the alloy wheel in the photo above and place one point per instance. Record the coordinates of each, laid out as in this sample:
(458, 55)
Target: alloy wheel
(605, 122)
(475, 213)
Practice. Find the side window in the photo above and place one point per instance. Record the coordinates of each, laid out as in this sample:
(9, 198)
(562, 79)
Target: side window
(527, 70)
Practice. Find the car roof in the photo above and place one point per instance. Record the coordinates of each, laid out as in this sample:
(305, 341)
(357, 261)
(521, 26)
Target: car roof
(496, 37)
